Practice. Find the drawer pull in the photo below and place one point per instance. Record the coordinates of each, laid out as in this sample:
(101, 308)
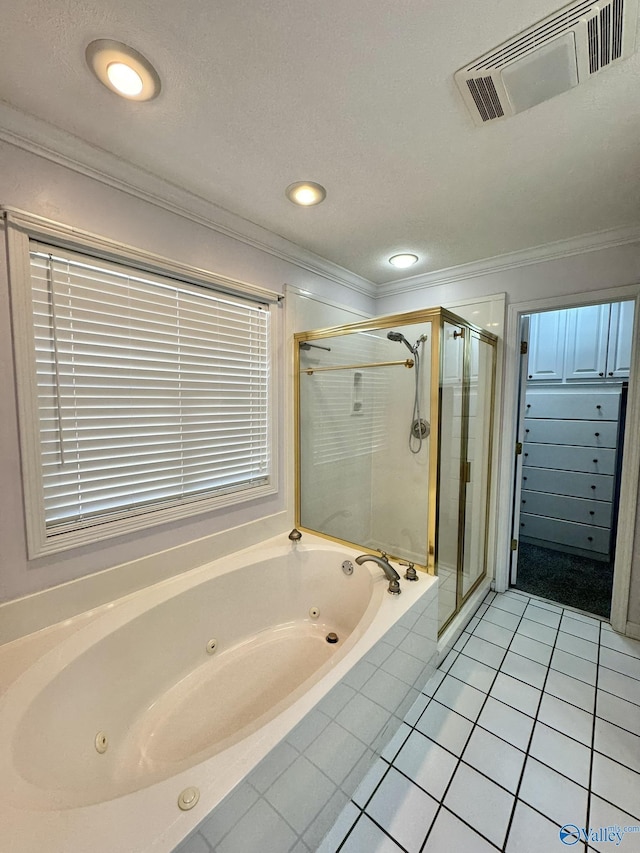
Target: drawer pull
(611, 373)
(591, 512)
(530, 376)
(526, 454)
(597, 434)
(528, 405)
(593, 487)
(522, 524)
(524, 478)
(524, 502)
(601, 374)
(595, 461)
(526, 430)
(598, 407)
(590, 538)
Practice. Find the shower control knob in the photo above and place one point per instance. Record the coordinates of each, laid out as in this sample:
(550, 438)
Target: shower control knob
(410, 574)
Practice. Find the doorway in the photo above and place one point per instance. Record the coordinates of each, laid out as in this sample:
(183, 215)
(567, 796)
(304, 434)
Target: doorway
(574, 373)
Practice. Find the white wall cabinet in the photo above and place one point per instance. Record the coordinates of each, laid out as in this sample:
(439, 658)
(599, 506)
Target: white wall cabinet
(547, 334)
(620, 336)
(588, 343)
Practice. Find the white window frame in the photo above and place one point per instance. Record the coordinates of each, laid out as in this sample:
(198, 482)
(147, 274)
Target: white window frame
(22, 228)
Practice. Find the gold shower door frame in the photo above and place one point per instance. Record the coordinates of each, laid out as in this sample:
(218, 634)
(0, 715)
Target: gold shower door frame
(437, 317)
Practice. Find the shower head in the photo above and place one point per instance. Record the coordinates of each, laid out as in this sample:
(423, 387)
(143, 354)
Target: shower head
(398, 336)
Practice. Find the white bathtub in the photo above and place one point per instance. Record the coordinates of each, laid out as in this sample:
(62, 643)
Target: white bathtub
(175, 714)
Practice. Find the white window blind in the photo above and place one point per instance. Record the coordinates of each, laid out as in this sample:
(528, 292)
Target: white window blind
(151, 392)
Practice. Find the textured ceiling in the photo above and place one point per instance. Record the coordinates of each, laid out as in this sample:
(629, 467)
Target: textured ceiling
(358, 96)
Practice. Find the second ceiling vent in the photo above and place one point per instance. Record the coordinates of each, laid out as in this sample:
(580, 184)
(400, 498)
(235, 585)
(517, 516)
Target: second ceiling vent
(560, 52)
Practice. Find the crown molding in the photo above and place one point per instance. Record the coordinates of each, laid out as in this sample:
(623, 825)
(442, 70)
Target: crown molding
(537, 254)
(45, 140)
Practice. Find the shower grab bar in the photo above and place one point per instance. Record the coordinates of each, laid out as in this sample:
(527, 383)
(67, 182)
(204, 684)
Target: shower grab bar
(408, 362)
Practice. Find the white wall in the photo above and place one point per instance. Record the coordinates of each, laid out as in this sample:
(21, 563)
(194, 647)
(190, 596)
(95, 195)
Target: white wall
(581, 273)
(44, 188)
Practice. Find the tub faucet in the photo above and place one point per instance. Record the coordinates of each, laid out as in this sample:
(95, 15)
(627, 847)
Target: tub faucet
(295, 535)
(387, 568)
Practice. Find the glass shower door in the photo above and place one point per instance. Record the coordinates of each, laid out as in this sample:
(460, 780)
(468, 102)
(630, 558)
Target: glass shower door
(466, 401)
(478, 455)
(450, 464)
(362, 469)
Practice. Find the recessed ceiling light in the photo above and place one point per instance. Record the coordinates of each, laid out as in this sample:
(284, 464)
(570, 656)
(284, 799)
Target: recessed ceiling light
(123, 70)
(403, 261)
(125, 79)
(306, 193)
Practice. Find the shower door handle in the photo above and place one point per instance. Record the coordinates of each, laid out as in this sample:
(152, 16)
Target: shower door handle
(466, 472)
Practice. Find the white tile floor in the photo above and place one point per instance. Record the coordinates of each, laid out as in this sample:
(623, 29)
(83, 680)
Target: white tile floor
(532, 722)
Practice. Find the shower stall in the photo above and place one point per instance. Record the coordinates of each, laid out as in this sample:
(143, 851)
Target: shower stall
(394, 421)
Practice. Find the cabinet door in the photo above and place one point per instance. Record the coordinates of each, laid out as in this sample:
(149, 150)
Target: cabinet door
(587, 336)
(547, 333)
(620, 335)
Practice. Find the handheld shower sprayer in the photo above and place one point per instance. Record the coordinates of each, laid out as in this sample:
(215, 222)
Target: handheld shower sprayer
(398, 336)
(419, 426)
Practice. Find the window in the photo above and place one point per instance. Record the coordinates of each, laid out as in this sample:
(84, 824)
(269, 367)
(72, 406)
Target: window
(150, 396)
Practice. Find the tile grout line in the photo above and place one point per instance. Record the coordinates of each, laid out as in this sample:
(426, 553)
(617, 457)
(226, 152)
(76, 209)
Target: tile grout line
(475, 723)
(412, 727)
(593, 735)
(527, 751)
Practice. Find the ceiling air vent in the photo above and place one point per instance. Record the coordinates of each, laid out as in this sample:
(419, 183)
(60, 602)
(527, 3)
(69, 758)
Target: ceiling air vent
(560, 52)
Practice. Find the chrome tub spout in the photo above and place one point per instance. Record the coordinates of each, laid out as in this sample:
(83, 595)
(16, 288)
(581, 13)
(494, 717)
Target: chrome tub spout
(387, 568)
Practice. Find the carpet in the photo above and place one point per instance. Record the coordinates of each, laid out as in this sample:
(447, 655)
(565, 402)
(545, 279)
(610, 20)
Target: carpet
(566, 578)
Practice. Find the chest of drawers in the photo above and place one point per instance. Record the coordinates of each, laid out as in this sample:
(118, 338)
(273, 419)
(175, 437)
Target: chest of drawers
(570, 458)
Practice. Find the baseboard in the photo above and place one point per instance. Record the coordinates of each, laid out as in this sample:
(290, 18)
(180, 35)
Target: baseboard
(633, 630)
